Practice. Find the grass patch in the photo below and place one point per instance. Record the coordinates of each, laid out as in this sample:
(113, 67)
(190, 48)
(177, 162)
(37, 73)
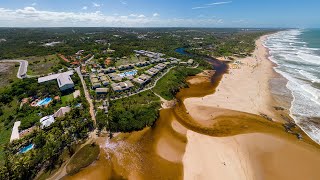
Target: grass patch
(130, 60)
(67, 98)
(170, 84)
(132, 113)
(41, 65)
(83, 158)
(8, 73)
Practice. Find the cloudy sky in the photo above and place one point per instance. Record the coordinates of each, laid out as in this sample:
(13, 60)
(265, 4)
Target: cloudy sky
(160, 13)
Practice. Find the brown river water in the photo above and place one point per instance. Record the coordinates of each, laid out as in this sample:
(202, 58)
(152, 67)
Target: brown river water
(155, 152)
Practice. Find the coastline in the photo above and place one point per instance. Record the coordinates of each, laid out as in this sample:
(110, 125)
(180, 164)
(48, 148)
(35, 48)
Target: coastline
(252, 87)
(246, 87)
(228, 144)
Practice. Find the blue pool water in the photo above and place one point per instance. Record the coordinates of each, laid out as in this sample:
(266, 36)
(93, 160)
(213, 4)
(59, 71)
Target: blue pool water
(27, 148)
(129, 73)
(44, 101)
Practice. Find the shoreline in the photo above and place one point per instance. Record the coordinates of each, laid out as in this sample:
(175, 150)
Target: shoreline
(246, 87)
(245, 154)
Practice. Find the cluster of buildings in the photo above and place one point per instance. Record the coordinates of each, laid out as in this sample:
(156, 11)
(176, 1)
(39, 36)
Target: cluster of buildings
(125, 77)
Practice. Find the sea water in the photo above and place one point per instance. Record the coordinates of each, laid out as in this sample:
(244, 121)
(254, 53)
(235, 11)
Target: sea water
(297, 55)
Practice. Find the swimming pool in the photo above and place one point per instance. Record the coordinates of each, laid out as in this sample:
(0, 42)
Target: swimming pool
(27, 148)
(44, 101)
(129, 73)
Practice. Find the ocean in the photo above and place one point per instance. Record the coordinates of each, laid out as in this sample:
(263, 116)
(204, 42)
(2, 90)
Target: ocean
(297, 55)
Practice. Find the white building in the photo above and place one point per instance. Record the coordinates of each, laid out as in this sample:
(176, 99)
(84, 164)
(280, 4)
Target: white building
(64, 80)
(46, 121)
(15, 131)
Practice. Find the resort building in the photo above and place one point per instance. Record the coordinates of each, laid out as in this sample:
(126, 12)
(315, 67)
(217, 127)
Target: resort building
(96, 85)
(125, 67)
(105, 83)
(141, 80)
(94, 80)
(160, 66)
(110, 70)
(64, 80)
(46, 121)
(61, 112)
(115, 77)
(190, 61)
(15, 131)
(102, 90)
(118, 87)
(152, 71)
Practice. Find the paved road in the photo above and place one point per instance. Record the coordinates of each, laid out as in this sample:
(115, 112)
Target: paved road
(87, 95)
(22, 72)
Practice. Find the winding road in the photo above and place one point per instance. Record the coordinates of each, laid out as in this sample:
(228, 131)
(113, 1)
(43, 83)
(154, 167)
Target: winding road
(22, 72)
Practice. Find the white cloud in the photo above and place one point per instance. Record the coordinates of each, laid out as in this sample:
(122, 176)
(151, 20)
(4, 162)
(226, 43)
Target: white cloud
(32, 17)
(155, 14)
(137, 15)
(218, 3)
(212, 4)
(96, 4)
(84, 8)
(123, 2)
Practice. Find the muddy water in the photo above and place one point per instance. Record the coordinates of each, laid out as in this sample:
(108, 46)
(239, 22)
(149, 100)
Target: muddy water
(155, 152)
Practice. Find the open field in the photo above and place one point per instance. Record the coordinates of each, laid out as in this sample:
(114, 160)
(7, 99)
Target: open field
(8, 73)
(130, 60)
(41, 65)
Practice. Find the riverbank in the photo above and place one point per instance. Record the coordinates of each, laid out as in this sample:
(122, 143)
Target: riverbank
(252, 147)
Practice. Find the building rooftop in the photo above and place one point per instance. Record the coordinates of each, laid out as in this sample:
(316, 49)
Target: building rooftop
(15, 131)
(102, 90)
(53, 76)
(62, 111)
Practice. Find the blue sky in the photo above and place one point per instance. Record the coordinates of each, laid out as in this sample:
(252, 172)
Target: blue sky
(160, 13)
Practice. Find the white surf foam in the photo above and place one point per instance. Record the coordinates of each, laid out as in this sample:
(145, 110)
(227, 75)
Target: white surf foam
(300, 65)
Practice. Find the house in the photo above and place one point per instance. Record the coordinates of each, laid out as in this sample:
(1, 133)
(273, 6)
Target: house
(103, 78)
(61, 112)
(115, 77)
(118, 87)
(110, 70)
(105, 83)
(190, 61)
(100, 74)
(46, 121)
(160, 66)
(102, 90)
(96, 85)
(141, 80)
(64, 80)
(94, 80)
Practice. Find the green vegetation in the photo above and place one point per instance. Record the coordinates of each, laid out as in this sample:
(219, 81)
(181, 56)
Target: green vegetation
(8, 73)
(130, 114)
(83, 158)
(42, 65)
(66, 99)
(170, 84)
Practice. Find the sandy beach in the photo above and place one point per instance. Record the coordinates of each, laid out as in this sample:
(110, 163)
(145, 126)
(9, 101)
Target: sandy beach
(245, 88)
(269, 154)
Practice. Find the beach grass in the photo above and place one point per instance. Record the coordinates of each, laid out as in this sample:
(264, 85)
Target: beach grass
(83, 158)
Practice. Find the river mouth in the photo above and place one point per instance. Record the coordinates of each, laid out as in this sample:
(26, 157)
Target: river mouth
(157, 152)
(154, 152)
